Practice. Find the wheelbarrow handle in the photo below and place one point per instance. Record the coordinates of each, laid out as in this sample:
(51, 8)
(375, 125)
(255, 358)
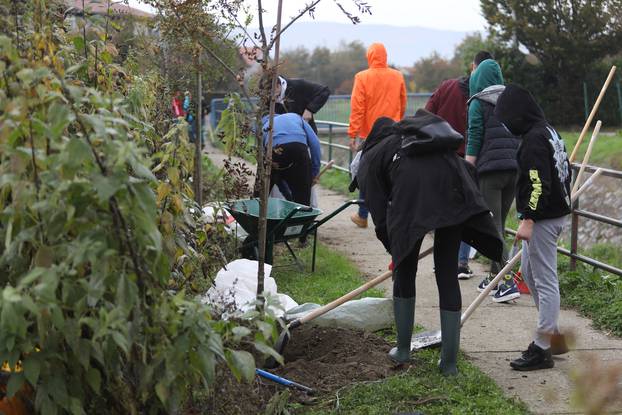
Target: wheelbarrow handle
(334, 213)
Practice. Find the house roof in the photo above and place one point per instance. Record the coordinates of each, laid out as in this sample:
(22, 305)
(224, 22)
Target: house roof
(101, 7)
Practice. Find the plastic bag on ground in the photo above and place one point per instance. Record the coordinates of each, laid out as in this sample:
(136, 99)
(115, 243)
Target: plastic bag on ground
(216, 213)
(235, 289)
(367, 314)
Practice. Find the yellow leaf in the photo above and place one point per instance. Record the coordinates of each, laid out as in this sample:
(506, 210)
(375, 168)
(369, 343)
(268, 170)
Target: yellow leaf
(178, 204)
(173, 175)
(164, 189)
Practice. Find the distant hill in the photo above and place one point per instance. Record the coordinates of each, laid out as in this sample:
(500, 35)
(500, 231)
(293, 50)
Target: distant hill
(404, 45)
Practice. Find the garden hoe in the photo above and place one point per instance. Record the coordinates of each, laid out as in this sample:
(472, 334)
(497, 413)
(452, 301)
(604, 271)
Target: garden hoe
(432, 338)
(285, 334)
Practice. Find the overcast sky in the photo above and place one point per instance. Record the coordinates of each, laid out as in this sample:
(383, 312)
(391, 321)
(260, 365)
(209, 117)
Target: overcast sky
(463, 15)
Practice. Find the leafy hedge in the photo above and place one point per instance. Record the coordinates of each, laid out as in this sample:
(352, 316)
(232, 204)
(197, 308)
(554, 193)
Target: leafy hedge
(96, 249)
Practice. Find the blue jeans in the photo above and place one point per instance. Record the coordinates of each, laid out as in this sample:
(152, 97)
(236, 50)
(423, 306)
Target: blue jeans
(363, 212)
(463, 254)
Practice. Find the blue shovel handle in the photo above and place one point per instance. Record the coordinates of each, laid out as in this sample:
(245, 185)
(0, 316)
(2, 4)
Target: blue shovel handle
(283, 381)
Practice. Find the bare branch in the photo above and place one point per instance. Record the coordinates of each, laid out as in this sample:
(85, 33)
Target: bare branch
(243, 27)
(363, 7)
(262, 30)
(309, 7)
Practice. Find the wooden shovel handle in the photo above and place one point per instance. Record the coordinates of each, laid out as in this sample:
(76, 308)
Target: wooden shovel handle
(515, 259)
(369, 284)
(592, 113)
(586, 157)
(352, 294)
(328, 166)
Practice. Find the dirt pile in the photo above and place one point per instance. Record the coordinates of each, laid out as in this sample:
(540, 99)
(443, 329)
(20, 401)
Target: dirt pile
(325, 359)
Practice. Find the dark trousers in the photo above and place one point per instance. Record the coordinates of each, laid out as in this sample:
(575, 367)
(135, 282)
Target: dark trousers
(291, 163)
(446, 245)
(498, 188)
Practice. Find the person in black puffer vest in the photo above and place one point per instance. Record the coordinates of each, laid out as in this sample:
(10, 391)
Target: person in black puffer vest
(401, 171)
(492, 148)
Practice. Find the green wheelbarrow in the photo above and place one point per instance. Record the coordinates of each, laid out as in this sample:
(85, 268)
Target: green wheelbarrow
(285, 220)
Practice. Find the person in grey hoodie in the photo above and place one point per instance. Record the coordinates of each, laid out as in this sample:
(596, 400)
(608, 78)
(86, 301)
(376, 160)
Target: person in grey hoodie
(492, 149)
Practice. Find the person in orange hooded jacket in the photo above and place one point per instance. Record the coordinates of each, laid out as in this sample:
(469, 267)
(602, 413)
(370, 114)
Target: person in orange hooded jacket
(379, 91)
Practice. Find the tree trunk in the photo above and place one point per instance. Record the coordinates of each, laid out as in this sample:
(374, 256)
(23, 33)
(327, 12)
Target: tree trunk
(267, 167)
(198, 182)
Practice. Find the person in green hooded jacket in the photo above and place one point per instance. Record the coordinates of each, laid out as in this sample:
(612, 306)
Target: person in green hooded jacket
(492, 149)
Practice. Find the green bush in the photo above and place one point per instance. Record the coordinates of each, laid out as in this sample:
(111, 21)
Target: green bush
(96, 249)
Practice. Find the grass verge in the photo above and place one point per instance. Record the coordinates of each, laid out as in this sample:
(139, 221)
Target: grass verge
(338, 181)
(607, 152)
(593, 292)
(334, 276)
(420, 388)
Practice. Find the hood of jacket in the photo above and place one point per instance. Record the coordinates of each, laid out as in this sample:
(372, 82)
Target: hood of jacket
(383, 127)
(377, 56)
(518, 110)
(427, 133)
(487, 73)
(490, 94)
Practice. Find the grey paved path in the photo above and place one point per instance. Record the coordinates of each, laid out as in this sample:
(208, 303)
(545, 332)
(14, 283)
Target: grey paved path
(495, 333)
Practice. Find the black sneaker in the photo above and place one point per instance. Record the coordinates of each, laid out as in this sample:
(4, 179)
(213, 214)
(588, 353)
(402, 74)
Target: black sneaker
(464, 272)
(533, 358)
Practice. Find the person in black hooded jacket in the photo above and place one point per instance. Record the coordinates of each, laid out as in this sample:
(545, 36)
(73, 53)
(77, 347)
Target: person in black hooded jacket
(300, 96)
(542, 201)
(401, 175)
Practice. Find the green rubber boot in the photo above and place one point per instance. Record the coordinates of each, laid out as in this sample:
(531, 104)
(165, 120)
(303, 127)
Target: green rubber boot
(404, 309)
(450, 342)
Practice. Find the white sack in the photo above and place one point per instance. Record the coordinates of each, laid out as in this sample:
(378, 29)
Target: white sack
(215, 213)
(368, 314)
(238, 285)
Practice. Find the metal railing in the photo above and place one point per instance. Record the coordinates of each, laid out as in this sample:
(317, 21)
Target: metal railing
(330, 131)
(332, 128)
(576, 212)
(330, 122)
(336, 109)
(574, 228)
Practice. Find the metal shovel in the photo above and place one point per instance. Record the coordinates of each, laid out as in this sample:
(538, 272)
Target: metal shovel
(433, 337)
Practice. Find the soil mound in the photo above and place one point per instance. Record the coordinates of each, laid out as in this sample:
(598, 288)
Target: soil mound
(324, 359)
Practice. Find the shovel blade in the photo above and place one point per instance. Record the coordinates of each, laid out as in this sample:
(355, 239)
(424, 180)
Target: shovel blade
(431, 338)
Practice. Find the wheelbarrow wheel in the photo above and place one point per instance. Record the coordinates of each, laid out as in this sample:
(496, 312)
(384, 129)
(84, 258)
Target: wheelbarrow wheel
(248, 250)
